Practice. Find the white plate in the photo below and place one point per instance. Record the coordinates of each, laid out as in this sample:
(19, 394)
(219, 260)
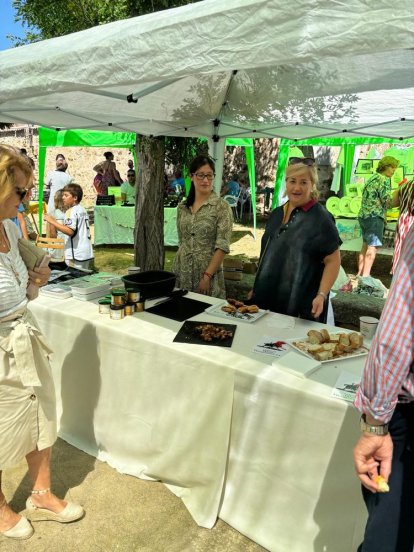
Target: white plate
(248, 317)
(301, 345)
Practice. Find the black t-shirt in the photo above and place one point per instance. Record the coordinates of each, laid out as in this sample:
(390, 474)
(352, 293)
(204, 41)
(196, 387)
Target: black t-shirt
(291, 260)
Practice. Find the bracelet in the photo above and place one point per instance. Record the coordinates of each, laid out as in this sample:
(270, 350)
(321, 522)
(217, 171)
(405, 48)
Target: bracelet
(210, 276)
(324, 295)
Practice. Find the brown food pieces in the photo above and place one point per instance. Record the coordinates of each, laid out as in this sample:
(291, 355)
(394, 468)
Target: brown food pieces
(239, 306)
(208, 332)
(325, 346)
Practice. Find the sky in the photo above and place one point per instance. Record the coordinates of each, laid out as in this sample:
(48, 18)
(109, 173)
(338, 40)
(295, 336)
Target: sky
(7, 24)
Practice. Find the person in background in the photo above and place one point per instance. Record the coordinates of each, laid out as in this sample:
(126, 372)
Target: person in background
(403, 197)
(57, 179)
(204, 224)
(231, 188)
(101, 188)
(299, 258)
(376, 199)
(386, 401)
(110, 174)
(52, 232)
(130, 164)
(128, 188)
(27, 394)
(177, 184)
(75, 227)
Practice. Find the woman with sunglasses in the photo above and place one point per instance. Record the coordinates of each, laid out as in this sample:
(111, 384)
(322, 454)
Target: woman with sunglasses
(299, 259)
(204, 224)
(27, 395)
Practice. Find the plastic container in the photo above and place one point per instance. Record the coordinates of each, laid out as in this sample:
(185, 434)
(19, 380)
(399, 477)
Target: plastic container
(151, 283)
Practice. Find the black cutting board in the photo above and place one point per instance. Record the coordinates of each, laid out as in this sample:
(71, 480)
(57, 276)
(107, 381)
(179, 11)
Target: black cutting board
(189, 334)
(179, 308)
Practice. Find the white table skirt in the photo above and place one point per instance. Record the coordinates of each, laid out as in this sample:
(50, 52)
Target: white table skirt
(115, 225)
(233, 436)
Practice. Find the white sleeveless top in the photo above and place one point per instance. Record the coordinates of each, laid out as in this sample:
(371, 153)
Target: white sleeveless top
(13, 274)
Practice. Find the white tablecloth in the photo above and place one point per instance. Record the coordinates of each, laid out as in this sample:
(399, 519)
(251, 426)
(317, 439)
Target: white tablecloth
(233, 436)
(115, 225)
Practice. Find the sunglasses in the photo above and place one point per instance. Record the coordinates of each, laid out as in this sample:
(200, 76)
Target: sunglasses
(308, 161)
(21, 192)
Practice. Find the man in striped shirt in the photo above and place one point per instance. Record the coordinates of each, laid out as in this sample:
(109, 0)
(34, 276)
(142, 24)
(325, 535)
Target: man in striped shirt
(386, 401)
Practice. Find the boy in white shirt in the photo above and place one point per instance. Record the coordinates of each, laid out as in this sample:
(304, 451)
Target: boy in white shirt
(75, 227)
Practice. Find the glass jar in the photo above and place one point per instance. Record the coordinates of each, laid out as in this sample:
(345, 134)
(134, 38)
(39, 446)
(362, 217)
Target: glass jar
(104, 306)
(129, 308)
(117, 312)
(132, 295)
(140, 306)
(118, 297)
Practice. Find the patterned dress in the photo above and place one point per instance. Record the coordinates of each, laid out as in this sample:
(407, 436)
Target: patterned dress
(405, 220)
(199, 236)
(376, 197)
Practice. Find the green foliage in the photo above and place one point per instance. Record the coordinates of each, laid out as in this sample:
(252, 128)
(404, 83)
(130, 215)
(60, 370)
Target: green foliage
(51, 18)
(180, 151)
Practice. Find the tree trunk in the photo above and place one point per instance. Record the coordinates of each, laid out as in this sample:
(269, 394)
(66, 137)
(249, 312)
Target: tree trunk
(308, 151)
(149, 210)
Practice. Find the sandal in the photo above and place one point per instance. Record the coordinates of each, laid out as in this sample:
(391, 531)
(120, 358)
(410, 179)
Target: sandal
(21, 531)
(71, 512)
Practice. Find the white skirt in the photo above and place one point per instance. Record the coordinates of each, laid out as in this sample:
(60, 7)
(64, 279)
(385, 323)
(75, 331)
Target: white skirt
(27, 393)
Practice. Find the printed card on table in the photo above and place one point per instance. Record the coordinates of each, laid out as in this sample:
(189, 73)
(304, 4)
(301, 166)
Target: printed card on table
(346, 387)
(272, 346)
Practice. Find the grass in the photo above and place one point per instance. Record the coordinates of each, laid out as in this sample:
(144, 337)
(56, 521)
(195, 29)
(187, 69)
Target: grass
(117, 258)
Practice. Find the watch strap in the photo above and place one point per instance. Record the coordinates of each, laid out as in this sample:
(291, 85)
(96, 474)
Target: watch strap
(373, 429)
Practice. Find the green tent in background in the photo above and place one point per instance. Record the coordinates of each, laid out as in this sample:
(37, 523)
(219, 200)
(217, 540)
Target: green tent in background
(49, 138)
(348, 149)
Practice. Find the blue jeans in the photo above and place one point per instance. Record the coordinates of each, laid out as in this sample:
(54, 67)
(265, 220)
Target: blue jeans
(390, 525)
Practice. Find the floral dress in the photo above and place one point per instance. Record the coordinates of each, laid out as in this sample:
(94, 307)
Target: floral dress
(199, 235)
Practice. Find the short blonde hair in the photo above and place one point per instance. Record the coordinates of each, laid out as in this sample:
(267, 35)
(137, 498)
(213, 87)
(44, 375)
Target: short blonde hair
(387, 161)
(10, 159)
(311, 172)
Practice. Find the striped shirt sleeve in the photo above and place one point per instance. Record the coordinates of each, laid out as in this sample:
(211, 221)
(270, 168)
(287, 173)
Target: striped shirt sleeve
(389, 369)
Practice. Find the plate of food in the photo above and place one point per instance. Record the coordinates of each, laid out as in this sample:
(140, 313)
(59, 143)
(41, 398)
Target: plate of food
(236, 310)
(206, 333)
(328, 347)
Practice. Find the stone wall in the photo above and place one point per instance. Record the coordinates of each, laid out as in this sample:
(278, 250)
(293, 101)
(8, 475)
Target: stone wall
(80, 160)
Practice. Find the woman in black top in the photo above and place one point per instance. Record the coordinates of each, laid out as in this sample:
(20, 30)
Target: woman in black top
(299, 259)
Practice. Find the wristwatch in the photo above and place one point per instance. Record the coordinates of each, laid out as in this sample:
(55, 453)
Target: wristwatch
(373, 429)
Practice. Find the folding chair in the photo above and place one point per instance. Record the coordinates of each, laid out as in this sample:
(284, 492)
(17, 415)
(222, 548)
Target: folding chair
(34, 210)
(233, 201)
(54, 246)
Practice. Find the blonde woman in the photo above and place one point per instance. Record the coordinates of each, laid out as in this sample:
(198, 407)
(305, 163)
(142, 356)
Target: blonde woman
(299, 259)
(27, 395)
(376, 199)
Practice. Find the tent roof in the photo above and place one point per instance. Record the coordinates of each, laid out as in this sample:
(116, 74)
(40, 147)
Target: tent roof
(237, 68)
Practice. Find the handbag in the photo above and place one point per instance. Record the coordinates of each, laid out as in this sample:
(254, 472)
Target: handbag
(32, 256)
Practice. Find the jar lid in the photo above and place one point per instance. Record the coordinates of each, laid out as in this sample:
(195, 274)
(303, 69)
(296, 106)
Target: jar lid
(104, 301)
(131, 290)
(117, 307)
(118, 292)
(130, 303)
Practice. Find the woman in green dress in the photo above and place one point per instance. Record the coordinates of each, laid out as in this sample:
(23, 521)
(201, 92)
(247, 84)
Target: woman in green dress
(204, 224)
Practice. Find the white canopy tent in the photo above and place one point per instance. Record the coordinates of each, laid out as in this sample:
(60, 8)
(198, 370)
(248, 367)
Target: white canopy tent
(248, 68)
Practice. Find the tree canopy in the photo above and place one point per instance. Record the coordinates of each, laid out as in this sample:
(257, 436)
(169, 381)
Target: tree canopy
(52, 18)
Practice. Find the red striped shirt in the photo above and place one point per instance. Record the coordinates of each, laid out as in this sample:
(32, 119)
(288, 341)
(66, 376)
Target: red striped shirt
(389, 370)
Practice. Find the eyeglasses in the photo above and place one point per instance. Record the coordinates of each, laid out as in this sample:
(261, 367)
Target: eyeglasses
(21, 192)
(304, 160)
(202, 176)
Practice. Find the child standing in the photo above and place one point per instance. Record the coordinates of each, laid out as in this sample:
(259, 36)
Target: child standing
(75, 227)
